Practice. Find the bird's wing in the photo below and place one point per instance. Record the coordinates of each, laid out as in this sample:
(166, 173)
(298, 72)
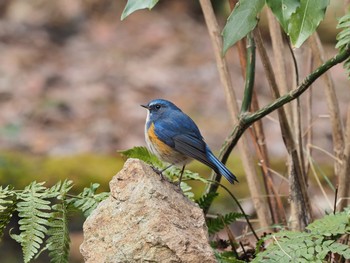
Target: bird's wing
(175, 124)
(192, 146)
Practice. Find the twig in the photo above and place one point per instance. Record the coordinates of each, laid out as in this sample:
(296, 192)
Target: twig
(214, 33)
(249, 119)
(247, 160)
(325, 152)
(239, 206)
(278, 244)
(318, 181)
(335, 200)
(230, 235)
(332, 103)
(250, 75)
(308, 133)
(344, 178)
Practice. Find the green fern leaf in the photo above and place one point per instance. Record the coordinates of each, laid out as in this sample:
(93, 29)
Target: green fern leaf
(58, 240)
(205, 201)
(34, 211)
(227, 257)
(311, 246)
(143, 154)
(340, 249)
(217, 224)
(88, 200)
(59, 234)
(343, 38)
(330, 224)
(7, 206)
(174, 172)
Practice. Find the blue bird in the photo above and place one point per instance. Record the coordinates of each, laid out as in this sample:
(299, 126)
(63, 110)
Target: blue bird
(174, 138)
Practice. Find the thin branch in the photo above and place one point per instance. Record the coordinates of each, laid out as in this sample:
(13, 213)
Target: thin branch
(332, 103)
(214, 33)
(246, 156)
(278, 244)
(335, 201)
(239, 206)
(248, 119)
(318, 181)
(344, 176)
(250, 73)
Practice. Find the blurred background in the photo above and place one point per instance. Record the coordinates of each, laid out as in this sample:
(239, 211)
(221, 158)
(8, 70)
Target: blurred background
(72, 77)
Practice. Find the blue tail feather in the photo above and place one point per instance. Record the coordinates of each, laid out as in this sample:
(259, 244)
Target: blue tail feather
(220, 168)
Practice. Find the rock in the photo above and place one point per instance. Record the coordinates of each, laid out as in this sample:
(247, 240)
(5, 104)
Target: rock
(145, 219)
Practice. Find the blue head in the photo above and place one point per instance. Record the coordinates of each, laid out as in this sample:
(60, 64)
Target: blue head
(160, 108)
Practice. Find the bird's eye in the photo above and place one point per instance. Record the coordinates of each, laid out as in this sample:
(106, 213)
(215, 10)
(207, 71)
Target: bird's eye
(157, 106)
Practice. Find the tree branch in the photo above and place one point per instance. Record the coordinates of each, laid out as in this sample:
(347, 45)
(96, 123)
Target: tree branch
(248, 119)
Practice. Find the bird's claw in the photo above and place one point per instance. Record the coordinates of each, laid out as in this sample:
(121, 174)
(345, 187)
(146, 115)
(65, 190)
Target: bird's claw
(159, 172)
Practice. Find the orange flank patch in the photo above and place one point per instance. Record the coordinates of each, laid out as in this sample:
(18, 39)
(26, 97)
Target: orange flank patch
(161, 147)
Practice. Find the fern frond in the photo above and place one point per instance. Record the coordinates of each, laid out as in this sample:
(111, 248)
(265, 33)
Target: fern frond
(227, 257)
(174, 172)
(34, 211)
(217, 224)
(312, 246)
(343, 38)
(60, 189)
(143, 154)
(340, 249)
(7, 206)
(88, 200)
(58, 240)
(205, 201)
(330, 225)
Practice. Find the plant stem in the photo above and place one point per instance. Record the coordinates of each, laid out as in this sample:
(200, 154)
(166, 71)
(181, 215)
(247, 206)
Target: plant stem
(248, 119)
(247, 158)
(333, 105)
(311, 78)
(239, 206)
(250, 73)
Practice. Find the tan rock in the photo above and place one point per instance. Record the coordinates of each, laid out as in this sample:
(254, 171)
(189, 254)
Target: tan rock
(145, 220)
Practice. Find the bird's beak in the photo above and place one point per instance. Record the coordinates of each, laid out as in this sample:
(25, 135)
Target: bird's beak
(145, 106)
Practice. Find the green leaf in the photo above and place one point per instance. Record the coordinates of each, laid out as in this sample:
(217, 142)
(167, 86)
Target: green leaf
(8, 201)
(283, 9)
(205, 201)
(241, 21)
(34, 211)
(227, 257)
(58, 241)
(143, 154)
(343, 39)
(133, 5)
(217, 224)
(311, 246)
(58, 233)
(305, 20)
(88, 200)
(330, 224)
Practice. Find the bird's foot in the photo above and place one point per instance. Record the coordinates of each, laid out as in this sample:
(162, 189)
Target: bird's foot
(162, 177)
(159, 172)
